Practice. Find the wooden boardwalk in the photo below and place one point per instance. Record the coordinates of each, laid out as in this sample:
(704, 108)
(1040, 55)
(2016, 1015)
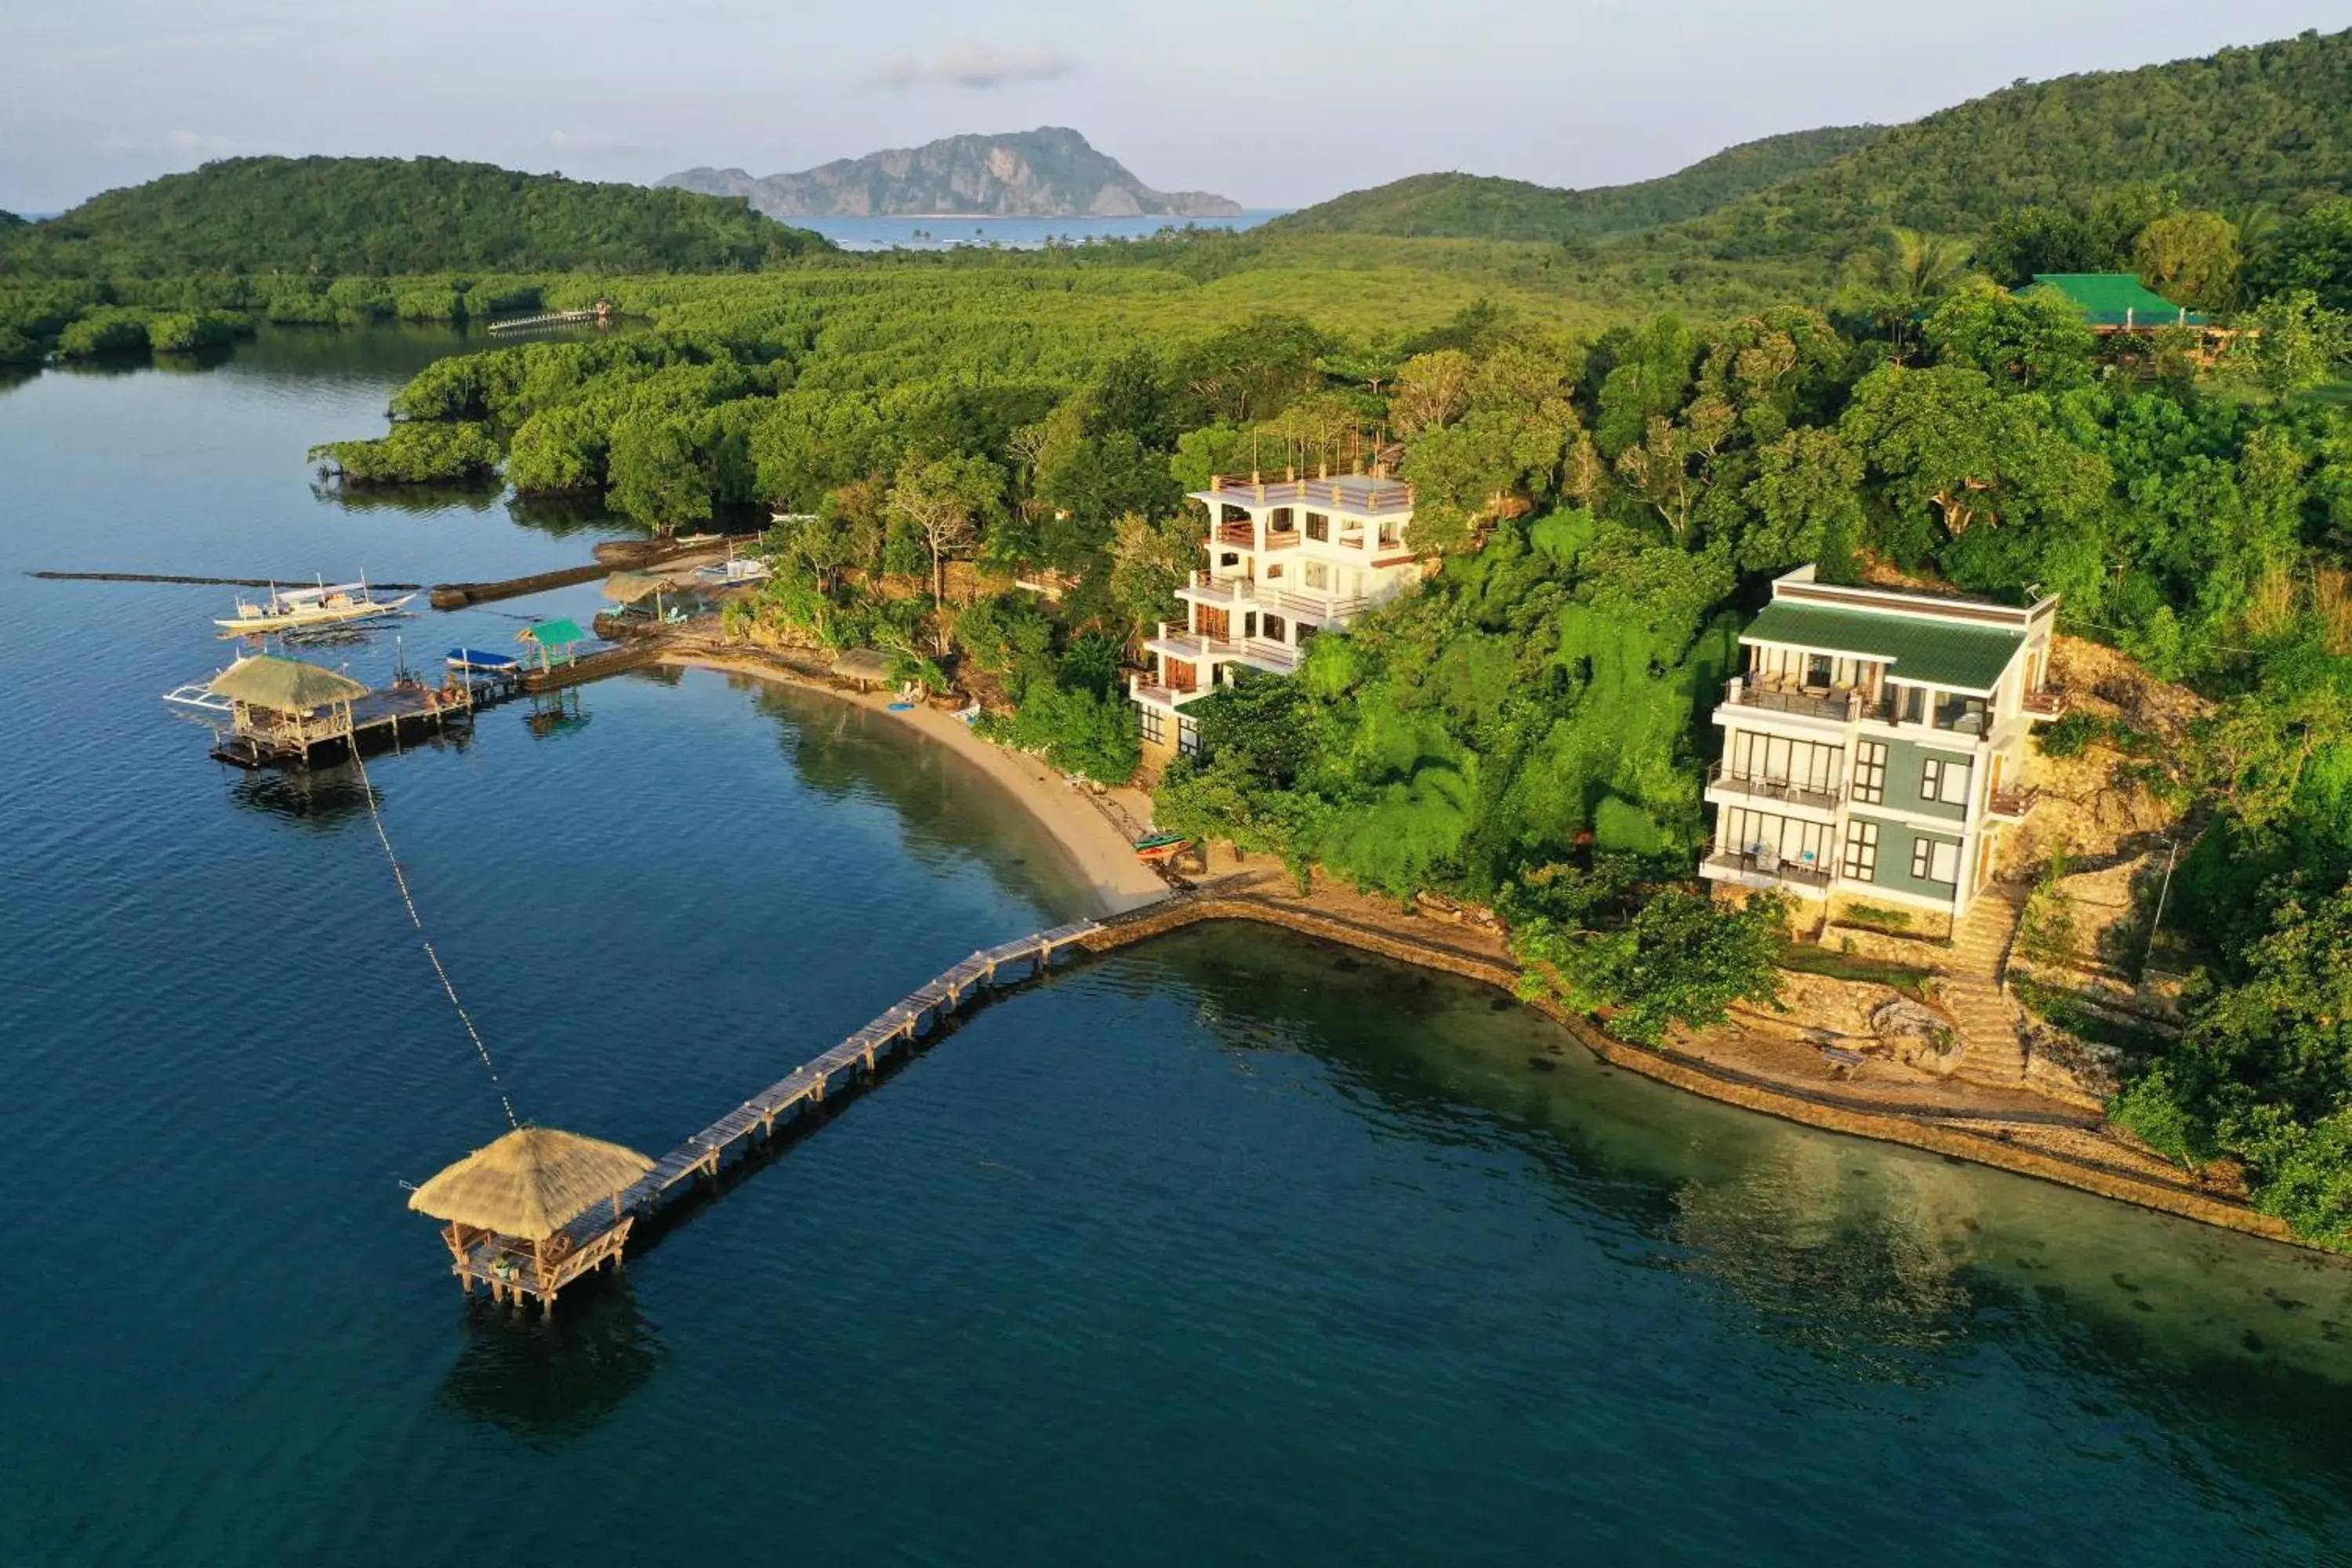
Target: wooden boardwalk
(854, 1061)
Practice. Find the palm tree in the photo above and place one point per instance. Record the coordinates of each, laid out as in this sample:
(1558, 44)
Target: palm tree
(1900, 278)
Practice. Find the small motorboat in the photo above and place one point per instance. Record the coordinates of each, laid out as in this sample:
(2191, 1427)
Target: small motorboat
(298, 609)
(734, 570)
(1161, 847)
(197, 700)
(478, 660)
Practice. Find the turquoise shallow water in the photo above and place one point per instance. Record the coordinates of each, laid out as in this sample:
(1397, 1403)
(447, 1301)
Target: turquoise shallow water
(1232, 1248)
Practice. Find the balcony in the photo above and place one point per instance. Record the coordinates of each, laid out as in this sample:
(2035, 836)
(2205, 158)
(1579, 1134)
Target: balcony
(1244, 536)
(2012, 805)
(1837, 705)
(2045, 705)
(1762, 871)
(1275, 657)
(1758, 787)
(1209, 589)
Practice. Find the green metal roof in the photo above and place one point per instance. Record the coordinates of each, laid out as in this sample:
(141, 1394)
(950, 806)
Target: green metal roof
(1964, 658)
(2111, 299)
(554, 634)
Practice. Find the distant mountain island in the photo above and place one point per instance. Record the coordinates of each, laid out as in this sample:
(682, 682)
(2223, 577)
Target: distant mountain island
(1050, 171)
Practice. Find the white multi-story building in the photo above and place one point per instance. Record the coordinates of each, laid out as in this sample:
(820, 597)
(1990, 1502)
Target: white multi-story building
(1874, 743)
(1287, 558)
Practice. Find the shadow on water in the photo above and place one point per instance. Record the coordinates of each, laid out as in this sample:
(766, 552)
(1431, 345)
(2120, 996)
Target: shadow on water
(417, 499)
(1890, 1266)
(319, 797)
(552, 1380)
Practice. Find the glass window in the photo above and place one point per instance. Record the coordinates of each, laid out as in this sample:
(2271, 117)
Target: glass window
(1274, 630)
(1934, 861)
(1944, 779)
(1870, 772)
(1188, 735)
(1862, 851)
(1317, 575)
(1318, 525)
(1155, 723)
(1817, 670)
(1962, 715)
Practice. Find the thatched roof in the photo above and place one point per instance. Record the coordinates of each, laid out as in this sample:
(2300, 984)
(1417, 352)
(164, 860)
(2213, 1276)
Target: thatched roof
(628, 587)
(863, 664)
(531, 1182)
(283, 685)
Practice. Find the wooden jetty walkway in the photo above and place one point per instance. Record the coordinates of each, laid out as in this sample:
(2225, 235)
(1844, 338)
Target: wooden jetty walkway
(588, 666)
(597, 1237)
(203, 581)
(600, 312)
(458, 596)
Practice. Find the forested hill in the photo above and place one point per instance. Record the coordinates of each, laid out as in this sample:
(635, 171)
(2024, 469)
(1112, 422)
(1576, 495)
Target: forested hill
(9, 220)
(350, 217)
(1477, 207)
(2270, 125)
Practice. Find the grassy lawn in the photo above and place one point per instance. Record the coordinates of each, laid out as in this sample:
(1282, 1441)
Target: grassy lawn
(1805, 958)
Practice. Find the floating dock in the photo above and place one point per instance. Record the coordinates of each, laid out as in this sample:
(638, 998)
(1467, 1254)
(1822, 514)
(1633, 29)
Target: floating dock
(597, 1237)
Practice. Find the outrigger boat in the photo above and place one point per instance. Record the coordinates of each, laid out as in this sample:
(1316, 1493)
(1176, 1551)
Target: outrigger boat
(297, 609)
(1161, 847)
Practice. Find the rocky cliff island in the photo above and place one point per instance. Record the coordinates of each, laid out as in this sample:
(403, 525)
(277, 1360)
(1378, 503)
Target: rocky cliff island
(1050, 171)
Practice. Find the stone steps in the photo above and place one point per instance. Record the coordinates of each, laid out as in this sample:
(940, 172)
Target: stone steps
(1972, 990)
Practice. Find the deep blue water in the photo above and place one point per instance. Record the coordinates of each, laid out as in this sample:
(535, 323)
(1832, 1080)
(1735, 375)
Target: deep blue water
(1232, 1249)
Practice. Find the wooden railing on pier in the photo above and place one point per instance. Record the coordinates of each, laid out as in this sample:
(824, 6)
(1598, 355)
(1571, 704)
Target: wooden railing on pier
(919, 1014)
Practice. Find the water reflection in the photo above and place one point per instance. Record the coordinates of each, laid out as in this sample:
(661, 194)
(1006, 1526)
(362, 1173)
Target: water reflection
(1888, 1266)
(550, 1379)
(417, 499)
(555, 713)
(315, 797)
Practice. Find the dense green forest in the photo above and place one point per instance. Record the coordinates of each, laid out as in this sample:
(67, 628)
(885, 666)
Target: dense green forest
(1476, 207)
(328, 217)
(2254, 128)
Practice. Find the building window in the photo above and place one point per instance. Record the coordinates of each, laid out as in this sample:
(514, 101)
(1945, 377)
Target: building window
(1870, 772)
(1909, 704)
(1962, 715)
(1817, 670)
(1944, 779)
(1862, 851)
(1319, 526)
(1281, 521)
(1770, 841)
(1188, 735)
(1934, 861)
(1155, 724)
(1758, 758)
(1316, 574)
(1274, 630)
(1390, 537)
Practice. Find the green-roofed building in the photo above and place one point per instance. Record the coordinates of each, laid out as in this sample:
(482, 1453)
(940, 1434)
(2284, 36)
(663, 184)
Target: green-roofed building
(2119, 301)
(1874, 743)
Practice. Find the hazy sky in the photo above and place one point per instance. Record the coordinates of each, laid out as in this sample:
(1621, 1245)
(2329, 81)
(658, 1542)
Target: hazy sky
(1274, 103)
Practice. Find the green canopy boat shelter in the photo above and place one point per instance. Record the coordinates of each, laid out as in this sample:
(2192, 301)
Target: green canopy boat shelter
(554, 640)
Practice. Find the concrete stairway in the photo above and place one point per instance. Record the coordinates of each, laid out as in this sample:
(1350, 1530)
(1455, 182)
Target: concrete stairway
(1972, 991)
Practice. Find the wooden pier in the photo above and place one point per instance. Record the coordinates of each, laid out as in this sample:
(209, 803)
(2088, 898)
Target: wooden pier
(600, 312)
(345, 718)
(597, 1235)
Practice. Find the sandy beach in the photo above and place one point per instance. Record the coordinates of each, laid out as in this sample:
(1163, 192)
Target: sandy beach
(1104, 856)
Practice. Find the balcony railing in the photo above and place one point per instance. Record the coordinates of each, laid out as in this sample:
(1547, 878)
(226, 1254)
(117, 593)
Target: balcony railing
(2012, 805)
(2050, 702)
(1763, 788)
(1740, 693)
(1250, 591)
(1744, 865)
(1242, 536)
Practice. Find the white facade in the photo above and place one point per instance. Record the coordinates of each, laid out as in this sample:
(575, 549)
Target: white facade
(1286, 559)
(1874, 742)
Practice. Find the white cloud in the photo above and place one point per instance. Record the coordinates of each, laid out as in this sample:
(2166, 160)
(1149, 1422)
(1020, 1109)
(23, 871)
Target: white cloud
(196, 142)
(976, 65)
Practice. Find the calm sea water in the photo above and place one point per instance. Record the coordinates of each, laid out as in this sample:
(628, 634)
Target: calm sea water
(1007, 233)
(1232, 1248)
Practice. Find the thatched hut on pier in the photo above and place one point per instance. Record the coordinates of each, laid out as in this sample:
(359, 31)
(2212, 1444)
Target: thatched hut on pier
(529, 1213)
(287, 698)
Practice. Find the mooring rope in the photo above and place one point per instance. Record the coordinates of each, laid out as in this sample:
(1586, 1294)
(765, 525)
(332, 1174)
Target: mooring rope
(409, 899)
